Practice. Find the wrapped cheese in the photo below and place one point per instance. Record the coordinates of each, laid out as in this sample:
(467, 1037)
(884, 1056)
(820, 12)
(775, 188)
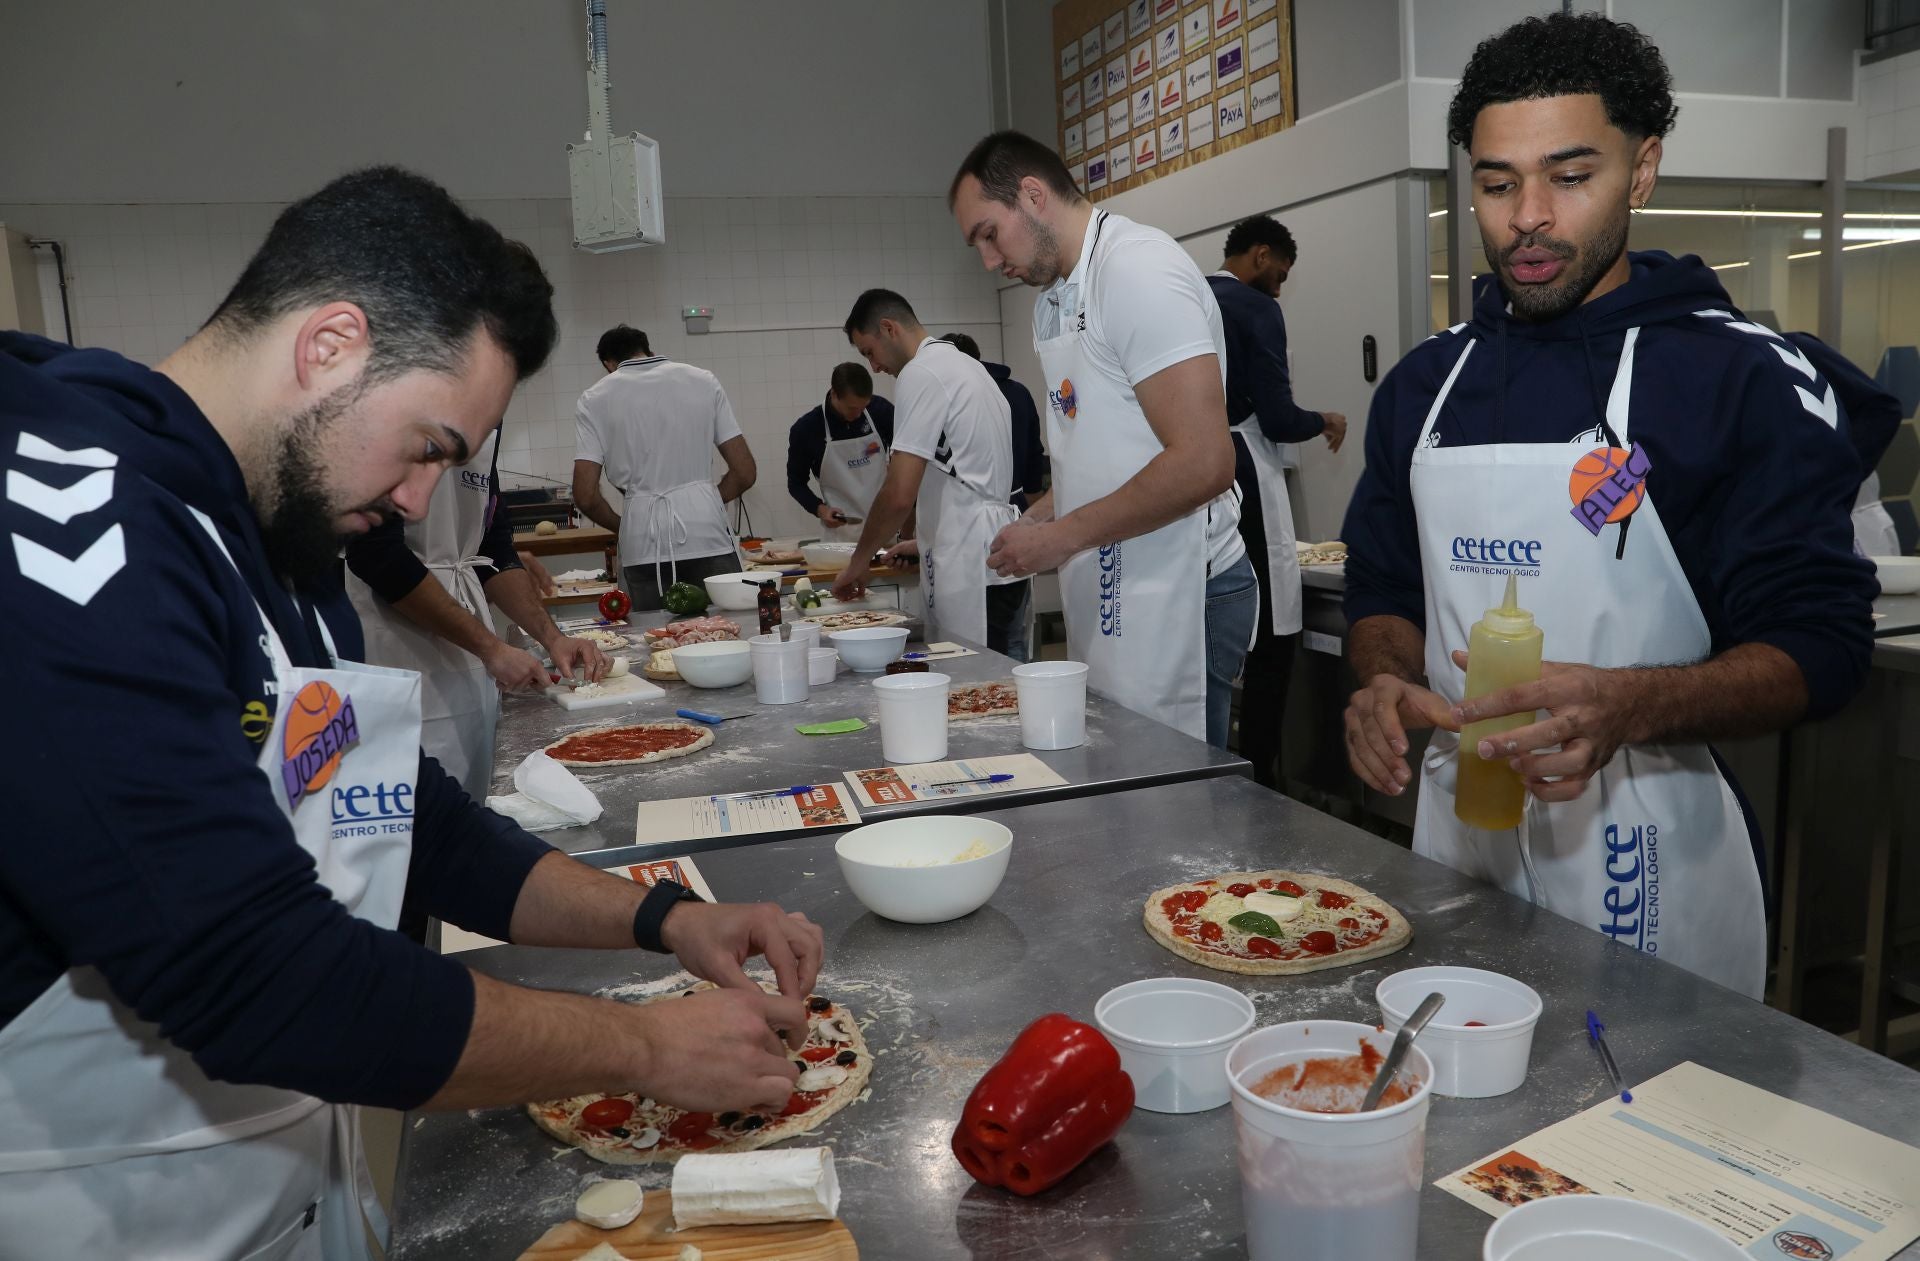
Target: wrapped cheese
(749, 1188)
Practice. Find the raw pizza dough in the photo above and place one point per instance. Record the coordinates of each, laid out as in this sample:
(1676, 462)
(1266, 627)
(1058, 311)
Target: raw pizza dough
(557, 752)
(854, 619)
(982, 700)
(1379, 928)
(832, 1034)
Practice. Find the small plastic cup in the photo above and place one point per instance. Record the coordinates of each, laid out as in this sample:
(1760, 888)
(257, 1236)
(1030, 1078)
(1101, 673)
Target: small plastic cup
(913, 717)
(779, 669)
(1469, 1062)
(1317, 1184)
(1053, 703)
(822, 665)
(1173, 1035)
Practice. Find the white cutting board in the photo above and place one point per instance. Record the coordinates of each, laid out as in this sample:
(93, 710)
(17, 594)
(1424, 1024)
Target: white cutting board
(621, 691)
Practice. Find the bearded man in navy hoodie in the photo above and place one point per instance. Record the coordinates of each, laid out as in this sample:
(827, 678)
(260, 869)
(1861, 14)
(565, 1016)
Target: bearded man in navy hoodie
(1670, 483)
(216, 817)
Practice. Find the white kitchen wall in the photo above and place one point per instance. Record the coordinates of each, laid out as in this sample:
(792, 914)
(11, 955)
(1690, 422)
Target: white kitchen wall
(781, 272)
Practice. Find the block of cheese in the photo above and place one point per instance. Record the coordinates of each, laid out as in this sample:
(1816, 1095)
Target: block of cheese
(609, 1204)
(748, 1188)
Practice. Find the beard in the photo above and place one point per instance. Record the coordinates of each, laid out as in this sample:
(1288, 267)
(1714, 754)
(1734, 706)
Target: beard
(297, 525)
(1540, 303)
(1045, 267)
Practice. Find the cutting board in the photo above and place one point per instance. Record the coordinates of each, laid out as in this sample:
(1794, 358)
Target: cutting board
(647, 1238)
(621, 691)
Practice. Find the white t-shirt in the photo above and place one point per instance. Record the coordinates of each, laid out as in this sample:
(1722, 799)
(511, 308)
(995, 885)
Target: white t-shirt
(1150, 310)
(949, 412)
(652, 424)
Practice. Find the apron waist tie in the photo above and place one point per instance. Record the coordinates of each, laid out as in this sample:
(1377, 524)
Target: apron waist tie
(467, 565)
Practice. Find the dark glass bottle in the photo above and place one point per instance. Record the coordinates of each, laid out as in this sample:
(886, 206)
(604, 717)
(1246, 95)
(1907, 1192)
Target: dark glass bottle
(769, 607)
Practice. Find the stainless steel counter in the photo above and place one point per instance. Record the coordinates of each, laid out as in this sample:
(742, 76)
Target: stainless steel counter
(946, 999)
(1123, 749)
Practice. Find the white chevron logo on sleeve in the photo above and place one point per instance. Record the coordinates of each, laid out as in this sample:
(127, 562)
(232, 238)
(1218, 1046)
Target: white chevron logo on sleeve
(85, 495)
(38, 448)
(79, 579)
(1827, 409)
(1791, 356)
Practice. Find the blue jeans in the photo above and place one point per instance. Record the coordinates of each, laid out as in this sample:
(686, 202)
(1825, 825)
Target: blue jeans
(1233, 605)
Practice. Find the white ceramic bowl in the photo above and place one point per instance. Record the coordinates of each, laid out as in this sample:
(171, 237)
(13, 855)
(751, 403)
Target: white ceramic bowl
(1173, 1035)
(822, 665)
(827, 555)
(725, 663)
(1469, 1063)
(735, 591)
(904, 869)
(1602, 1228)
(867, 649)
(1899, 575)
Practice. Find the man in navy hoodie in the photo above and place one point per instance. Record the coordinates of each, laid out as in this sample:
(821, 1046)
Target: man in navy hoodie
(216, 819)
(1667, 482)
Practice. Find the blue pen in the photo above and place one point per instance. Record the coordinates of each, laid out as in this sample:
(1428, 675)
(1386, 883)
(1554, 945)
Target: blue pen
(697, 716)
(1000, 778)
(798, 790)
(1596, 1034)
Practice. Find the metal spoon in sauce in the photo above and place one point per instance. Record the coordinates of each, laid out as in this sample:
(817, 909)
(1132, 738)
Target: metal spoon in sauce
(1398, 1052)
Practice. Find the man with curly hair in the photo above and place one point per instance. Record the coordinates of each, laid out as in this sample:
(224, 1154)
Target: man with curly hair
(1669, 483)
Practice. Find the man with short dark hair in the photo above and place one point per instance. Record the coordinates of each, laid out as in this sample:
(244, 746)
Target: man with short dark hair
(650, 427)
(1260, 255)
(952, 471)
(1142, 518)
(215, 823)
(1667, 484)
(843, 443)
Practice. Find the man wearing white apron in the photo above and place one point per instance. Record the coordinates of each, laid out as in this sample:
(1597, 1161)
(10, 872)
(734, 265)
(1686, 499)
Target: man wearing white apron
(1667, 480)
(843, 444)
(1142, 518)
(650, 427)
(1260, 254)
(422, 589)
(197, 961)
(952, 471)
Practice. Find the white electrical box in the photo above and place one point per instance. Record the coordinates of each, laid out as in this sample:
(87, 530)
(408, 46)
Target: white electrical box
(616, 193)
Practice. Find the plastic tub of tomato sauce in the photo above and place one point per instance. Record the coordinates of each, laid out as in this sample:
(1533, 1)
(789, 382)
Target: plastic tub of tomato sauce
(1481, 1040)
(1318, 1178)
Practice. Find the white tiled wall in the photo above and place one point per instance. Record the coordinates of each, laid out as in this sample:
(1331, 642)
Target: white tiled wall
(780, 272)
(1890, 93)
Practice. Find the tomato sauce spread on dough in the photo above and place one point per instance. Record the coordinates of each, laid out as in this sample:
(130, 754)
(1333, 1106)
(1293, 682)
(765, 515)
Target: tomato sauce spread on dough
(1332, 1084)
(622, 743)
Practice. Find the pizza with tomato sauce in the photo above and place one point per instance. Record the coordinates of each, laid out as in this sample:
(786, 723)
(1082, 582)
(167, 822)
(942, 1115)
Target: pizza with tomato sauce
(630, 1129)
(629, 745)
(983, 700)
(1274, 923)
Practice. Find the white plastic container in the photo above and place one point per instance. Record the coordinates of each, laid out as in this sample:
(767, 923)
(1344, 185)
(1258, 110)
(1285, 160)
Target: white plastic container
(1053, 703)
(720, 663)
(905, 869)
(1468, 1063)
(1315, 1184)
(779, 669)
(913, 717)
(868, 649)
(1898, 575)
(1173, 1035)
(1602, 1228)
(734, 592)
(807, 631)
(823, 664)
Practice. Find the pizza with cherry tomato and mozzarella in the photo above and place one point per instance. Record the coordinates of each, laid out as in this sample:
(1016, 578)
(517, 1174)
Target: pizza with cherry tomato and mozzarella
(1274, 923)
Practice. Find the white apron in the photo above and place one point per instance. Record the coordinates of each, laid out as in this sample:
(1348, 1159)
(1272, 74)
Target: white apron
(459, 701)
(1136, 609)
(1655, 853)
(1873, 532)
(852, 471)
(113, 1143)
(654, 523)
(1281, 572)
(953, 553)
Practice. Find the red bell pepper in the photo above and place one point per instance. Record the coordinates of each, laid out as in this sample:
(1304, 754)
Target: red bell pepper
(1054, 1098)
(614, 606)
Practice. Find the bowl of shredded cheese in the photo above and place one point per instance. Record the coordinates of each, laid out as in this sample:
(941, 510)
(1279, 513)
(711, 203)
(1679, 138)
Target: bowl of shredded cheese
(925, 870)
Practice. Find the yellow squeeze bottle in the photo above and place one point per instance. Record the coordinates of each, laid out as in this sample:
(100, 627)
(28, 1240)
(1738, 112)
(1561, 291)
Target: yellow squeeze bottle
(1503, 650)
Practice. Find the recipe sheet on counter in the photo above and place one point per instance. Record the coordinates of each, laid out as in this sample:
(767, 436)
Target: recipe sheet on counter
(1777, 1177)
(700, 818)
(932, 781)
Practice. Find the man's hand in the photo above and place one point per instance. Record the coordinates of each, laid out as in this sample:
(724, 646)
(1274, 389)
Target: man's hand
(713, 940)
(572, 656)
(1589, 711)
(904, 550)
(1028, 547)
(1336, 431)
(717, 1051)
(830, 515)
(1379, 716)
(852, 582)
(542, 580)
(515, 669)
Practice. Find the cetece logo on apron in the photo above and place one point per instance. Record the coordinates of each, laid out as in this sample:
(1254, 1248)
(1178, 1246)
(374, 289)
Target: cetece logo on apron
(1064, 400)
(319, 727)
(1607, 485)
(1112, 566)
(1631, 899)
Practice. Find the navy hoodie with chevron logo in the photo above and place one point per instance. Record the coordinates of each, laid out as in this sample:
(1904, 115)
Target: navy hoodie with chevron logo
(1751, 463)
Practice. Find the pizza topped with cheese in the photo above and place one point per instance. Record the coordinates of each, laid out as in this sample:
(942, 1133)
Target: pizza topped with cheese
(1274, 923)
(630, 1129)
(983, 700)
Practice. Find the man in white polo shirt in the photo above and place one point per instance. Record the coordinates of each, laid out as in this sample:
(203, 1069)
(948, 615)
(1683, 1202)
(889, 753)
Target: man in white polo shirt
(1142, 520)
(953, 458)
(651, 425)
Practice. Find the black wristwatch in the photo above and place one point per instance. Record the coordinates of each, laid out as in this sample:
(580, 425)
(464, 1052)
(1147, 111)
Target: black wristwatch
(652, 913)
